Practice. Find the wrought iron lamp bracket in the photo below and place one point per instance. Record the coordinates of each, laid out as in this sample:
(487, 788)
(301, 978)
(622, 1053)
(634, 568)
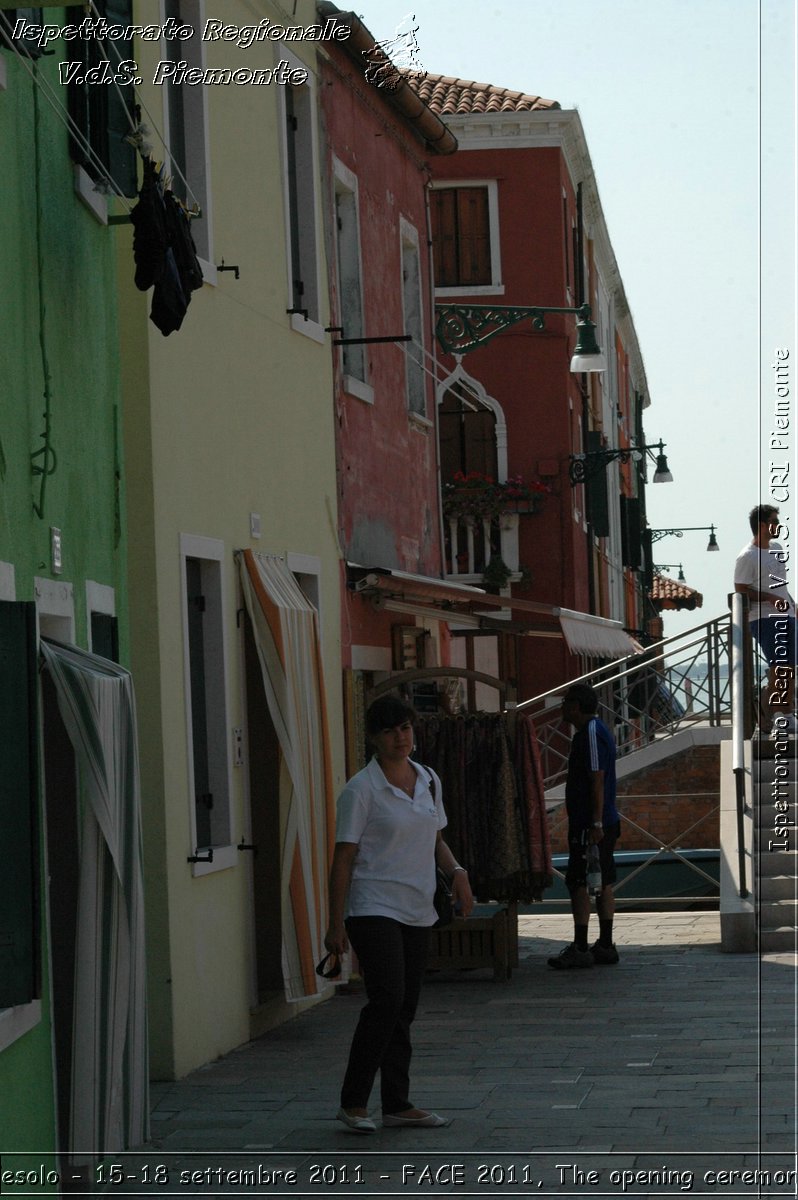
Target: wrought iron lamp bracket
(584, 466)
(463, 327)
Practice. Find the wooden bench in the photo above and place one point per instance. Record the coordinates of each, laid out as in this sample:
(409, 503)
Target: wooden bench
(488, 938)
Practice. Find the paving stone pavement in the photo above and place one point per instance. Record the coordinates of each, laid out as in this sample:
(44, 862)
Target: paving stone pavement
(677, 1062)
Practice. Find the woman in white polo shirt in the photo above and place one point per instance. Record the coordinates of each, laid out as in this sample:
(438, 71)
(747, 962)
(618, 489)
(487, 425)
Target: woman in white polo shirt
(382, 882)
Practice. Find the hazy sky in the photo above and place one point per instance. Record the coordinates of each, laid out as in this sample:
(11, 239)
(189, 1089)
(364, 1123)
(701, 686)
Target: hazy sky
(672, 99)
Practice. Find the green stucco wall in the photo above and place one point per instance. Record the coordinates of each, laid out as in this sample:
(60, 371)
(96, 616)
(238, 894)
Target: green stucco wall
(58, 317)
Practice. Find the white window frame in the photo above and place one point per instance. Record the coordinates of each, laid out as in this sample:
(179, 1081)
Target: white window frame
(313, 327)
(345, 183)
(17, 1021)
(55, 609)
(496, 286)
(198, 164)
(409, 247)
(210, 550)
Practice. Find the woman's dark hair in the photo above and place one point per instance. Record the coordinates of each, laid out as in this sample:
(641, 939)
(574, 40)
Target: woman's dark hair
(387, 712)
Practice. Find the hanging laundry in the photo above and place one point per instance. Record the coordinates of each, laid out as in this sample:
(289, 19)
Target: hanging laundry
(494, 800)
(164, 251)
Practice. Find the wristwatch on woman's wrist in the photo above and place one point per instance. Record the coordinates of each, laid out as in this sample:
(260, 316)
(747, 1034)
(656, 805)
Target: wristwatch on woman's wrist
(598, 825)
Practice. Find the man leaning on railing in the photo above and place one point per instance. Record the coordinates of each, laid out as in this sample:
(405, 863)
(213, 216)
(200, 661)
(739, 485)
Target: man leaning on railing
(760, 573)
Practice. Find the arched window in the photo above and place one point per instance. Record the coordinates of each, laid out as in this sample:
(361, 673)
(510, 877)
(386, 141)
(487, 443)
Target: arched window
(473, 431)
(468, 435)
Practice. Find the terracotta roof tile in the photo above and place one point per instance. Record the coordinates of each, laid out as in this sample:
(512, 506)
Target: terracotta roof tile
(446, 95)
(668, 593)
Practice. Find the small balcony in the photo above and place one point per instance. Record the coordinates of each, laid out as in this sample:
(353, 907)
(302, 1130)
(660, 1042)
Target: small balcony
(480, 519)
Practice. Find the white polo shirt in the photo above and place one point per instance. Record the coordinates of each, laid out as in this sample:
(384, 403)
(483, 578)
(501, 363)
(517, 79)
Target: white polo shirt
(764, 570)
(394, 869)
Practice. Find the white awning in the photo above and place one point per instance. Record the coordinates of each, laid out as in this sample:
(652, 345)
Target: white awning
(447, 600)
(109, 1086)
(596, 637)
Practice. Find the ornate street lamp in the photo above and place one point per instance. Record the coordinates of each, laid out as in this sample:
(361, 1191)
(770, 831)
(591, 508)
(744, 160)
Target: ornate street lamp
(584, 466)
(712, 544)
(669, 567)
(463, 327)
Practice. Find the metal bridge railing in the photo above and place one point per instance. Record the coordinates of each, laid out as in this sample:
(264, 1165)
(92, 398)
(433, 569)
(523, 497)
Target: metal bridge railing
(677, 683)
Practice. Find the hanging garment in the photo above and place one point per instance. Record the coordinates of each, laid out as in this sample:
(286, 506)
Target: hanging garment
(164, 251)
(493, 792)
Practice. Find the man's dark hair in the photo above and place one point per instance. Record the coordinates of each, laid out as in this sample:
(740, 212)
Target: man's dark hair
(584, 695)
(388, 712)
(762, 512)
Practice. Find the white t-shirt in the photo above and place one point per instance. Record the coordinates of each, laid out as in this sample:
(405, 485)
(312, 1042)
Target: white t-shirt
(764, 571)
(394, 869)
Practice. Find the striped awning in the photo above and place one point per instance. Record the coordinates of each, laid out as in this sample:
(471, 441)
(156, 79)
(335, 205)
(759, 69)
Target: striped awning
(110, 1069)
(285, 628)
(595, 637)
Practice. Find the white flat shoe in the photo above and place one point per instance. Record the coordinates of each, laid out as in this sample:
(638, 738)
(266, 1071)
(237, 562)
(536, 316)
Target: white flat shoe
(430, 1121)
(356, 1124)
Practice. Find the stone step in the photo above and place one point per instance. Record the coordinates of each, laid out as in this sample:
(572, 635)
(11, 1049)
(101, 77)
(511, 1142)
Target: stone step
(763, 771)
(776, 941)
(765, 817)
(778, 914)
(765, 750)
(776, 887)
(775, 841)
(774, 862)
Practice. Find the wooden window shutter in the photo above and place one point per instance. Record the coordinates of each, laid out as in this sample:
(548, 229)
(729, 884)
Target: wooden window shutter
(461, 236)
(19, 891)
(444, 236)
(474, 236)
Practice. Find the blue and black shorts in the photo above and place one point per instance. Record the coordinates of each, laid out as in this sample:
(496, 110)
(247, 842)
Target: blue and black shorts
(776, 636)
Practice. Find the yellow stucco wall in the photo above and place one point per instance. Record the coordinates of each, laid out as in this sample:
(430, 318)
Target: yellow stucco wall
(232, 414)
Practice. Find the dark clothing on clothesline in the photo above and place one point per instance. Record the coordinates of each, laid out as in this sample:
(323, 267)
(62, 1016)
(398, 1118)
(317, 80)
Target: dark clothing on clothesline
(164, 251)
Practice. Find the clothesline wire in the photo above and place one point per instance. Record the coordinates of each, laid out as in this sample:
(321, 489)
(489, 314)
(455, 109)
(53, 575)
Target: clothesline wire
(434, 376)
(61, 112)
(39, 80)
(136, 125)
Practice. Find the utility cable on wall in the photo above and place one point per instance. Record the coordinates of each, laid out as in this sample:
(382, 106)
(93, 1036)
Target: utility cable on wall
(46, 467)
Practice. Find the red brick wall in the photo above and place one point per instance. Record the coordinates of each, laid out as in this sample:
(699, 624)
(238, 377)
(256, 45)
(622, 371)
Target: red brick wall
(665, 800)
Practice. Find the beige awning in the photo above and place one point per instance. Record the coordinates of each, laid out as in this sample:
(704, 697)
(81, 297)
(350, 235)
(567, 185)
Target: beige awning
(445, 600)
(596, 637)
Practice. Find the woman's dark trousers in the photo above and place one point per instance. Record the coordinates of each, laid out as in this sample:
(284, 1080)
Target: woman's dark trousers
(392, 959)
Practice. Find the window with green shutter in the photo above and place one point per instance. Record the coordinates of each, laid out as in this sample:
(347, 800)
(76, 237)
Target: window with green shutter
(103, 112)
